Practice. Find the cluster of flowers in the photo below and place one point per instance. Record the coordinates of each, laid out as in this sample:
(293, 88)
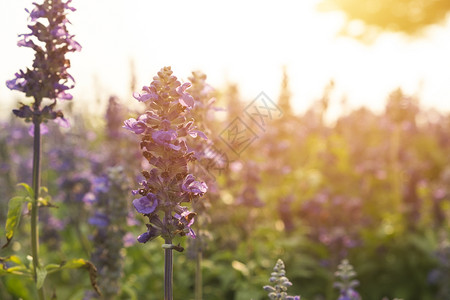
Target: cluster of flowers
(49, 77)
(110, 218)
(281, 284)
(346, 284)
(168, 184)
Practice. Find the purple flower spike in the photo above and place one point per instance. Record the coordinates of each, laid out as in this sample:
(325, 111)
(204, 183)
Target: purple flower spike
(165, 145)
(137, 127)
(48, 76)
(147, 204)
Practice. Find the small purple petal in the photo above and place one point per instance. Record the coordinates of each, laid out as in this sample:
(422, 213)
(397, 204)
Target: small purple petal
(191, 186)
(164, 138)
(145, 97)
(183, 88)
(146, 204)
(195, 133)
(143, 238)
(137, 127)
(64, 123)
(74, 45)
(64, 96)
(191, 233)
(187, 100)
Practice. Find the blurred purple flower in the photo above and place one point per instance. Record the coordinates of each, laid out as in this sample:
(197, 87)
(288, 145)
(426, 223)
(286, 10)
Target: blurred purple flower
(44, 129)
(64, 123)
(99, 220)
(128, 240)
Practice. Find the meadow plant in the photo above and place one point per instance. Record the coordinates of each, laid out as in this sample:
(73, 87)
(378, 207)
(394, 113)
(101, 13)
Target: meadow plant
(47, 78)
(346, 284)
(207, 161)
(281, 283)
(109, 217)
(440, 276)
(168, 183)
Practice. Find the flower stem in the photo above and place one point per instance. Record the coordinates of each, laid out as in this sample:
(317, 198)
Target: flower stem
(168, 271)
(198, 276)
(34, 205)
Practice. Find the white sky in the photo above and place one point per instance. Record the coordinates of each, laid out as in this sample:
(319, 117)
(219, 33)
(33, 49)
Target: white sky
(246, 42)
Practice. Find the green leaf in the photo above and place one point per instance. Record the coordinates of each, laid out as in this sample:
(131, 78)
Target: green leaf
(13, 218)
(41, 273)
(19, 269)
(73, 264)
(78, 263)
(52, 267)
(28, 188)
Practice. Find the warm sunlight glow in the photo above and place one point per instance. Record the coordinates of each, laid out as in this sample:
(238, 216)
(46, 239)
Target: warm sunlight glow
(246, 42)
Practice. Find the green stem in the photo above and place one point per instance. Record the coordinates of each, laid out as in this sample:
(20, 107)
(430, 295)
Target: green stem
(198, 275)
(34, 205)
(168, 271)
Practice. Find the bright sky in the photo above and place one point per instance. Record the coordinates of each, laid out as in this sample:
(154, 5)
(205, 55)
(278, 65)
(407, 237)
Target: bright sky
(246, 42)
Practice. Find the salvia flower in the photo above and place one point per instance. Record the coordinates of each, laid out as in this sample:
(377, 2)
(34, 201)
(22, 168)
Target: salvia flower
(109, 220)
(346, 283)
(164, 130)
(281, 284)
(48, 77)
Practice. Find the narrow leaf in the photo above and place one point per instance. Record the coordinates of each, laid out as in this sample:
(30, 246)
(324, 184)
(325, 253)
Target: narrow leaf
(28, 188)
(81, 263)
(41, 273)
(13, 217)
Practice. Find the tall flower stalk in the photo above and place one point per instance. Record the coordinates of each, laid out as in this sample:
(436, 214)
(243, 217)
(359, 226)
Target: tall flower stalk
(280, 284)
(167, 184)
(110, 218)
(346, 284)
(47, 78)
(208, 159)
